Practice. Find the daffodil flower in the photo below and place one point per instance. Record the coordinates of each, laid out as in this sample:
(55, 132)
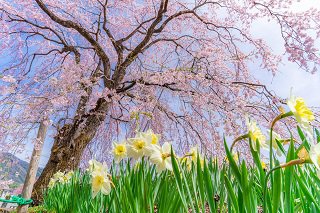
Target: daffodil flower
(58, 177)
(151, 137)
(52, 183)
(256, 134)
(137, 147)
(119, 151)
(100, 182)
(187, 161)
(96, 166)
(191, 156)
(161, 157)
(235, 157)
(67, 176)
(99, 178)
(301, 112)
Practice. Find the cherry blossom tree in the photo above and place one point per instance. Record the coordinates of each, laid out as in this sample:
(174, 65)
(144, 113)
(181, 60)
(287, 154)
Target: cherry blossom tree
(96, 68)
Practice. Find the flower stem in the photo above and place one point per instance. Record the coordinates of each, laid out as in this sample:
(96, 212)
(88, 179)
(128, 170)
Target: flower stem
(238, 139)
(279, 117)
(290, 163)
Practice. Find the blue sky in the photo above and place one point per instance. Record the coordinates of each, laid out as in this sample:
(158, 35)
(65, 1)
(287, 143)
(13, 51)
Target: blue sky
(289, 76)
(304, 84)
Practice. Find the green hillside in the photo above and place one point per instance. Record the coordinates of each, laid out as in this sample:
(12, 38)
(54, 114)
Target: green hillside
(13, 168)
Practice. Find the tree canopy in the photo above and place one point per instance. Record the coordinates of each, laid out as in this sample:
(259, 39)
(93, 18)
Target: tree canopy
(96, 68)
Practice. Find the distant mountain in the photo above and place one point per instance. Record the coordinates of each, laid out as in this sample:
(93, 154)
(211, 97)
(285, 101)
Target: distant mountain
(13, 168)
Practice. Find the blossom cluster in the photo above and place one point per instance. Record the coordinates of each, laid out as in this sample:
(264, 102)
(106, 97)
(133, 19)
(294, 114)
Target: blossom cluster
(4, 184)
(100, 179)
(60, 177)
(146, 144)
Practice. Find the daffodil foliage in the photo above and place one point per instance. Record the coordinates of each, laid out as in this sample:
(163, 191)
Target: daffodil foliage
(148, 177)
(193, 183)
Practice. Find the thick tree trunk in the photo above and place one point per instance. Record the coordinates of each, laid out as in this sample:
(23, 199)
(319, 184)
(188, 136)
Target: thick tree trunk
(63, 157)
(68, 147)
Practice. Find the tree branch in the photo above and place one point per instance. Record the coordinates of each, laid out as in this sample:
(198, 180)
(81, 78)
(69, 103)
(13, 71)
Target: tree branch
(70, 24)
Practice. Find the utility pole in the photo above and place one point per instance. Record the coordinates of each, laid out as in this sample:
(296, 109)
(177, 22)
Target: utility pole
(34, 164)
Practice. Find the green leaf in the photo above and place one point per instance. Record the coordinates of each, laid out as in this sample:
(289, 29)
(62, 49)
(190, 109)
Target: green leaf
(276, 189)
(318, 135)
(178, 180)
(245, 187)
(256, 159)
(208, 187)
(280, 146)
(306, 192)
(232, 163)
(303, 138)
(288, 178)
(231, 194)
(200, 182)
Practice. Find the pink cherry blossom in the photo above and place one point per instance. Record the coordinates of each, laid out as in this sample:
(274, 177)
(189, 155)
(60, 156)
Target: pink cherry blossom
(188, 64)
(8, 78)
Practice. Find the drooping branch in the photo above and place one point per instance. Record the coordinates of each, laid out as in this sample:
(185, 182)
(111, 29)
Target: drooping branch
(82, 31)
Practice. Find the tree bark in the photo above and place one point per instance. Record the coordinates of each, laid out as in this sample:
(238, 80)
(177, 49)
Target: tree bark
(69, 145)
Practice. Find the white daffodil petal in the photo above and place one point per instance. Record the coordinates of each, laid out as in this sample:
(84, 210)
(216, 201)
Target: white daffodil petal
(166, 147)
(96, 184)
(315, 155)
(106, 187)
(119, 151)
(169, 164)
